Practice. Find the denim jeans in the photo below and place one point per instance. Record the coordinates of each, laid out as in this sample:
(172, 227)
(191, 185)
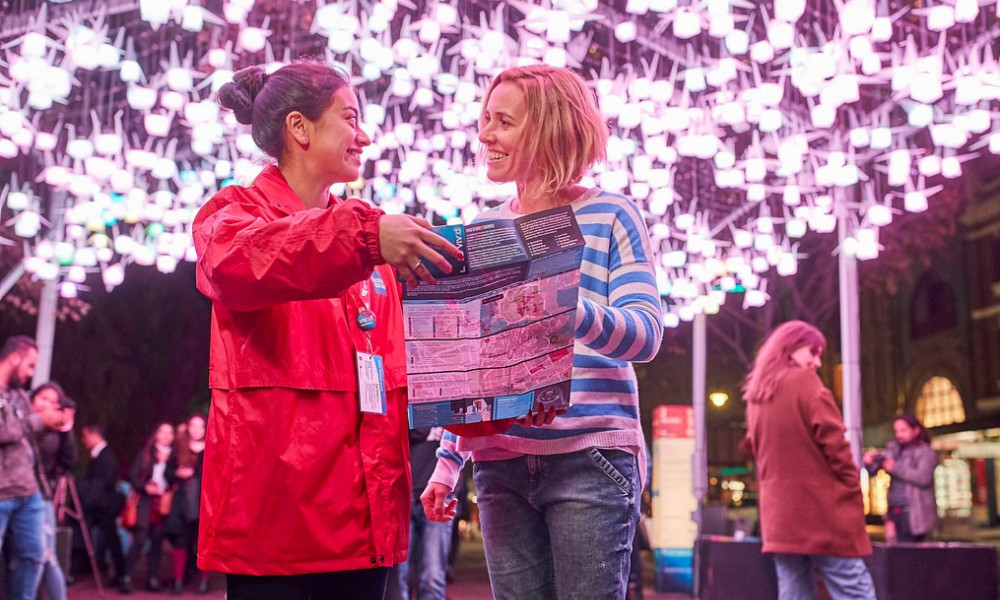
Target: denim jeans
(53, 579)
(22, 519)
(560, 526)
(845, 578)
(429, 543)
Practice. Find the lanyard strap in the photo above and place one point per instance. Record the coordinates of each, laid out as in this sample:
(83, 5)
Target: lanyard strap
(363, 300)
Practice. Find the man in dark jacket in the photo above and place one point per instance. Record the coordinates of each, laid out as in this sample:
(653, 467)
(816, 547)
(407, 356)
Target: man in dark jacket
(100, 498)
(21, 504)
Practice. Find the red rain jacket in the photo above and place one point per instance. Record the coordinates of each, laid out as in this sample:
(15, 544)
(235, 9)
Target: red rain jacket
(296, 479)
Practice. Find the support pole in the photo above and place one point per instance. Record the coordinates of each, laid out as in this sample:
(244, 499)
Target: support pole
(850, 333)
(700, 467)
(48, 302)
(699, 460)
(45, 333)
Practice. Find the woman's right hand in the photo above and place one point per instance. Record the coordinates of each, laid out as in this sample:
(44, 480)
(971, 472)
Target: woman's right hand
(433, 499)
(152, 489)
(405, 240)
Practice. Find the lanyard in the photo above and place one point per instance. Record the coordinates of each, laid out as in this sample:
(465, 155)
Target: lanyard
(371, 373)
(365, 319)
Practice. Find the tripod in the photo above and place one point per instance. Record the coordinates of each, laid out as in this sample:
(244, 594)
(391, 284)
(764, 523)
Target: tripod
(67, 485)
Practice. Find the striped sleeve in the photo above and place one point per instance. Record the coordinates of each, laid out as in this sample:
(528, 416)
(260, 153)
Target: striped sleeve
(629, 328)
(449, 461)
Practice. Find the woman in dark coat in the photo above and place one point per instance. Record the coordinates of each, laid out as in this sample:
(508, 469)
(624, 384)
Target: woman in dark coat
(811, 509)
(148, 478)
(184, 475)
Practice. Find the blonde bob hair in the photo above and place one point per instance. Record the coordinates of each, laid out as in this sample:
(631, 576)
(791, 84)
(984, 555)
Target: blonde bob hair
(567, 132)
(774, 359)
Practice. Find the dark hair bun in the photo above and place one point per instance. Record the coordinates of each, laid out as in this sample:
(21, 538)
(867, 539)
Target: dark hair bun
(239, 94)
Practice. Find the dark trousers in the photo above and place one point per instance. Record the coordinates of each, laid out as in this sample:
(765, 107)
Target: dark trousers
(900, 517)
(107, 540)
(149, 527)
(363, 584)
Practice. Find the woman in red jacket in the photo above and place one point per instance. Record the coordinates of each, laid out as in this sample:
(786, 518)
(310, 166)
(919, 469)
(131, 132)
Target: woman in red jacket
(306, 480)
(811, 510)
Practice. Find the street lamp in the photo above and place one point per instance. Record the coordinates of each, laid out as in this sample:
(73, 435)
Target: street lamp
(718, 399)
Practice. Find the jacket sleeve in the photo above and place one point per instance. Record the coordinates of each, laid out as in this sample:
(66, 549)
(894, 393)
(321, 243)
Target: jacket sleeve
(247, 262)
(66, 457)
(917, 468)
(13, 430)
(88, 491)
(630, 328)
(100, 478)
(828, 432)
(170, 473)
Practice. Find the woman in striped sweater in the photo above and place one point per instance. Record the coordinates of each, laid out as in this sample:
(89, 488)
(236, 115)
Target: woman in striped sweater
(558, 495)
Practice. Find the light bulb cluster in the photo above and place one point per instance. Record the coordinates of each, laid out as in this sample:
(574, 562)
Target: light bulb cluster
(789, 113)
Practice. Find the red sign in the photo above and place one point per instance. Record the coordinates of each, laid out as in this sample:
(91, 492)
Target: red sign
(673, 421)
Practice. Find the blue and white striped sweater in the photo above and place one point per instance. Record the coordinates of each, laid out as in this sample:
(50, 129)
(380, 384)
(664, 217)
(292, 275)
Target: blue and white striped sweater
(618, 322)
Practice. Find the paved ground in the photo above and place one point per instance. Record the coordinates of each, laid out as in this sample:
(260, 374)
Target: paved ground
(471, 582)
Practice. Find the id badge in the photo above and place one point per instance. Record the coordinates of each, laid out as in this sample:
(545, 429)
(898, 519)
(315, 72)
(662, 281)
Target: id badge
(371, 383)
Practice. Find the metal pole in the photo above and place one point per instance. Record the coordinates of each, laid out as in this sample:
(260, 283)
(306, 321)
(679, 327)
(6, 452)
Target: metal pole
(45, 333)
(48, 302)
(850, 332)
(700, 479)
(699, 460)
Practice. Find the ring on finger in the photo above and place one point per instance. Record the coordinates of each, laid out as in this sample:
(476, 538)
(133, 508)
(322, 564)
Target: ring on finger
(415, 266)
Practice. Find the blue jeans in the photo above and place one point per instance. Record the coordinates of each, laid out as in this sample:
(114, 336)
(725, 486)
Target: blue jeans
(845, 578)
(53, 579)
(429, 543)
(559, 526)
(23, 518)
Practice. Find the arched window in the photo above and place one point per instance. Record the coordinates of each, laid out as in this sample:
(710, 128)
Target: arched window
(940, 403)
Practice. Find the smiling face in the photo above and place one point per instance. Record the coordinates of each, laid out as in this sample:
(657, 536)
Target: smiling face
(336, 139)
(807, 357)
(502, 128)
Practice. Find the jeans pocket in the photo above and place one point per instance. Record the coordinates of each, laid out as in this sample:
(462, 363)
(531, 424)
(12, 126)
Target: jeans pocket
(602, 462)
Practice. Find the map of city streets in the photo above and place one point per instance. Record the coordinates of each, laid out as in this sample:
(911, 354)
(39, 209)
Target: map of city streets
(497, 340)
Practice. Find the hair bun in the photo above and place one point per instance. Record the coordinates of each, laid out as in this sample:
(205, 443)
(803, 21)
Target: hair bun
(239, 94)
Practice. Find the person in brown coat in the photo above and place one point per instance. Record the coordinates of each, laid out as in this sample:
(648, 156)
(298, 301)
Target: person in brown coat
(811, 509)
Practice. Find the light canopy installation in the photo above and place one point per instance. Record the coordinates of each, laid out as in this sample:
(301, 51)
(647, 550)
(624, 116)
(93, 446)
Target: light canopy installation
(738, 127)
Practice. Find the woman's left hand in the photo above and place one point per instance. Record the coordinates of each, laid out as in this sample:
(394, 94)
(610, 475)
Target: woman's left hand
(436, 505)
(537, 419)
(888, 464)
